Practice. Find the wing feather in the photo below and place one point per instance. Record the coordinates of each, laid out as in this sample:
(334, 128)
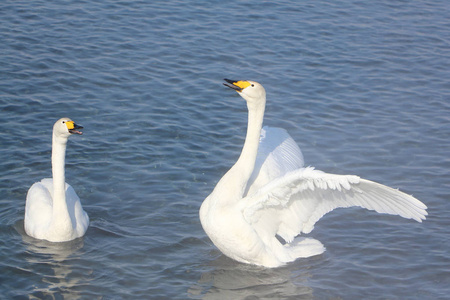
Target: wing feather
(277, 155)
(293, 203)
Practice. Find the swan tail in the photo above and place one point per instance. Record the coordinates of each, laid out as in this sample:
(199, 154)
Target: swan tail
(304, 247)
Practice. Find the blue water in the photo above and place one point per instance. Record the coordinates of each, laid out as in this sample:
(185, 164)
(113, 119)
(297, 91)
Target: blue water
(363, 87)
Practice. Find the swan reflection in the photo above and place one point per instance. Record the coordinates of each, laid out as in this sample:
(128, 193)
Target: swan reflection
(59, 258)
(228, 279)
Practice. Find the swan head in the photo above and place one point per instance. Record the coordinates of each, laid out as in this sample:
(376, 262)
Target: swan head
(65, 127)
(251, 91)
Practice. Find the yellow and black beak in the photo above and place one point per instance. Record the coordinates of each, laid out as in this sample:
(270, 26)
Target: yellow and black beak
(238, 86)
(73, 128)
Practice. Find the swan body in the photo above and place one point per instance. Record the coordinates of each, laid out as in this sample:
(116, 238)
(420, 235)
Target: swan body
(53, 211)
(268, 194)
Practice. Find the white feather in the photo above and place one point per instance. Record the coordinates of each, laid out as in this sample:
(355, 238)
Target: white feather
(298, 206)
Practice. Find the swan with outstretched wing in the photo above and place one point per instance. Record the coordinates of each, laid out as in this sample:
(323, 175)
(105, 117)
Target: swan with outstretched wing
(268, 193)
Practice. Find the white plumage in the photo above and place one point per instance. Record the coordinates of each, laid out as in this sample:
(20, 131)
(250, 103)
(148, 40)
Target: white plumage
(269, 193)
(53, 210)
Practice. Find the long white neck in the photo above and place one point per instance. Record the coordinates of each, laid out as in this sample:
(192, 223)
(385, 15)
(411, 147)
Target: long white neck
(246, 161)
(61, 216)
(233, 183)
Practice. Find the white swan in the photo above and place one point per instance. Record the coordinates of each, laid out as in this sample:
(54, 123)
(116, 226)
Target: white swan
(269, 194)
(53, 210)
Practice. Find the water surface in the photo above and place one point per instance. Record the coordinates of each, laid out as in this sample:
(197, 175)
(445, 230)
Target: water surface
(362, 87)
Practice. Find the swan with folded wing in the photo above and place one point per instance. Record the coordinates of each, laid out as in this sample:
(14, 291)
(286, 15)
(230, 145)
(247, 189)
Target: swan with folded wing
(53, 210)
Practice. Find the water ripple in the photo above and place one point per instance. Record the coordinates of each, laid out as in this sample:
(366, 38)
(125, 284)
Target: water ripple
(362, 87)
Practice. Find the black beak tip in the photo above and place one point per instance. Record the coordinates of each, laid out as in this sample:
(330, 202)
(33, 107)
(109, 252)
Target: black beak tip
(75, 129)
(229, 80)
(230, 84)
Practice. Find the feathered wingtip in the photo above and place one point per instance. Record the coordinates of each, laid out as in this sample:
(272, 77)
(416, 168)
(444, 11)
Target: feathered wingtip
(302, 247)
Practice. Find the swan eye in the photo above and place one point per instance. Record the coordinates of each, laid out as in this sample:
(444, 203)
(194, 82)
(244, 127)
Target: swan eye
(253, 85)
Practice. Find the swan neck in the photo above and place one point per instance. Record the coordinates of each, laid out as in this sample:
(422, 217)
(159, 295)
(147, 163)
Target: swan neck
(246, 161)
(59, 182)
(231, 187)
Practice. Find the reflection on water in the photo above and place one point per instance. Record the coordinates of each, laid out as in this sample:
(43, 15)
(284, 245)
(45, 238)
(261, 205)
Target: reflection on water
(228, 279)
(57, 257)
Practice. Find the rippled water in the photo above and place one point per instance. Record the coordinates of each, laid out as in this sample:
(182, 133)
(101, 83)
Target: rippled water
(362, 87)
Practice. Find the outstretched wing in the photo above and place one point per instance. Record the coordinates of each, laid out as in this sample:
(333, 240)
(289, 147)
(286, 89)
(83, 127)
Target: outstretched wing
(294, 202)
(278, 154)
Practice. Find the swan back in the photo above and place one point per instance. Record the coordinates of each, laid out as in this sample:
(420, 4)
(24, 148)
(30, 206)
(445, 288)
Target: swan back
(39, 213)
